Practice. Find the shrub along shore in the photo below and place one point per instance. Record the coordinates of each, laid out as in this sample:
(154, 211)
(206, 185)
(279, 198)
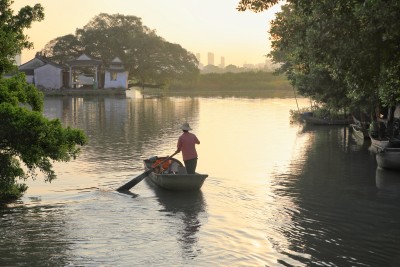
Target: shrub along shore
(243, 81)
(244, 84)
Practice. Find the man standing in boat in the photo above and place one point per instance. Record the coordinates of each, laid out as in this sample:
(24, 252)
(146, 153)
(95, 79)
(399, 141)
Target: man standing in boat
(187, 144)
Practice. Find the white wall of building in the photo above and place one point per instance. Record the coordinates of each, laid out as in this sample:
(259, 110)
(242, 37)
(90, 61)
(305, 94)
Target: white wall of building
(121, 80)
(48, 77)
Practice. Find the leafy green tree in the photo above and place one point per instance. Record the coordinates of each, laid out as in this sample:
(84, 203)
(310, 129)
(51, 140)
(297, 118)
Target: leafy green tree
(143, 57)
(346, 51)
(107, 36)
(174, 63)
(232, 68)
(62, 49)
(12, 37)
(211, 69)
(256, 5)
(306, 61)
(28, 140)
(148, 57)
(154, 60)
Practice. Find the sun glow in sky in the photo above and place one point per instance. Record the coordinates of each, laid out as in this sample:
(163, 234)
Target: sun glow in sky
(198, 26)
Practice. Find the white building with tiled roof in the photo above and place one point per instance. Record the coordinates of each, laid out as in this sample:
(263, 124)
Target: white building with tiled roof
(83, 72)
(44, 73)
(115, 75)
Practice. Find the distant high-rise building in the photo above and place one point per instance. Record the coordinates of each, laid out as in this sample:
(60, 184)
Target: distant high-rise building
(210, 58)
(222, 64)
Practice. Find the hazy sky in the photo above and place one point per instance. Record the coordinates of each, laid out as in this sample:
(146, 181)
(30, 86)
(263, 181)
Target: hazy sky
(200, 26)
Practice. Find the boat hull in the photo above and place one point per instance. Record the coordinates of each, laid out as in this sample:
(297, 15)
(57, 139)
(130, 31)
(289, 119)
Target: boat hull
(384, 143)
(379, 143)
(389, 159)
(359, 132)
(177, 181)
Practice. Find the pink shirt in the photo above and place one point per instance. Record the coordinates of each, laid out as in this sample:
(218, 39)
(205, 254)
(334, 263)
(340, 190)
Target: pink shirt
(187, 144)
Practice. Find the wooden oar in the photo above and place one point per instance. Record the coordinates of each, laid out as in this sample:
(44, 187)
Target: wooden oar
(139, 178)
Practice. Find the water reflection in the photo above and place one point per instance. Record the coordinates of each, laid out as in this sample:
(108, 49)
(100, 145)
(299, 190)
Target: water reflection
(275, 196)
(123, 130)
(188, 208)
(330, 207)
(388, 181)
(236, 94)
(33, 235)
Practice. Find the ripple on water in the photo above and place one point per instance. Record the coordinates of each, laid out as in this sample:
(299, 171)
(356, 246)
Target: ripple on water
(275, 196)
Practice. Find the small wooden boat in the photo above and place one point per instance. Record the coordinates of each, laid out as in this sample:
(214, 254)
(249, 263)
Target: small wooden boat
(308, 118)
(361, 123)
(359, 132)
(385, 142)
(379, 143)
(360, 128)
(389, 158)
(175, 176)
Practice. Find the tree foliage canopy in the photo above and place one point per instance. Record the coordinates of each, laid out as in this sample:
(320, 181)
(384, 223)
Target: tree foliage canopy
(148, 57)
(12, 37)
(343, 53)
(26, 137)
(256, 5)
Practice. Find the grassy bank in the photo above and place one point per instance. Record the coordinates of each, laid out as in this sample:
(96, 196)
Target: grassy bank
(234, 82)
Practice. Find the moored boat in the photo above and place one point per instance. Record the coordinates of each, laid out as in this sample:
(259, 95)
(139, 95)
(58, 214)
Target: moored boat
(364, 124)
(389, 158)
(359, 132)
(379, 144)
(173, 175)
(360, 128)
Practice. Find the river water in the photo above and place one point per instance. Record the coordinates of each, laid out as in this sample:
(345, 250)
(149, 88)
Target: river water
(278, 194)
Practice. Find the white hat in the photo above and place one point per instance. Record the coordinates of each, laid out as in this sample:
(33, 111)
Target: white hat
(186, 127)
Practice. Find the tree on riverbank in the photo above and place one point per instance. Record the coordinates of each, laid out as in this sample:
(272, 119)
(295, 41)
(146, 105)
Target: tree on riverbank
(341, 53)
(148, 57)
(26, 137)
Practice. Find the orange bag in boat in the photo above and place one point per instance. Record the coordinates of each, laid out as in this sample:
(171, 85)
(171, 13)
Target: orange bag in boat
(163, 166)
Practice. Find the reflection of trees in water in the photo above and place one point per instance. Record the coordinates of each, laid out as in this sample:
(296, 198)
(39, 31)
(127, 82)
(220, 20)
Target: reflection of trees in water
(135, 125)
(388, 182)
(186, 207)
(32, 237)
(337, 214)
(251, 94)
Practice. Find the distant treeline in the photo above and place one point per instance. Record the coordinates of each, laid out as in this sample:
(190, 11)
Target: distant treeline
(232, 82)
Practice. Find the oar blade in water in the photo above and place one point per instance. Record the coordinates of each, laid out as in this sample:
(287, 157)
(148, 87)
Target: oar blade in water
(138, 179)
(134, 181)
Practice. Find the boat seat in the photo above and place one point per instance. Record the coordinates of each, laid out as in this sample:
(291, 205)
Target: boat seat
(182, 170)
(173, 167)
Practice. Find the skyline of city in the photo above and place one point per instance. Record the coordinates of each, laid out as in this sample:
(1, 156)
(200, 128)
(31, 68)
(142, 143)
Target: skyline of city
(211, 61)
